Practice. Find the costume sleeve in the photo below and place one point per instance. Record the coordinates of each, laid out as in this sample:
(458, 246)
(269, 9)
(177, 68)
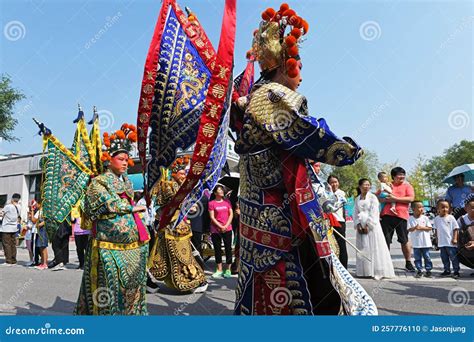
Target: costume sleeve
(283, 115)
(101, 201)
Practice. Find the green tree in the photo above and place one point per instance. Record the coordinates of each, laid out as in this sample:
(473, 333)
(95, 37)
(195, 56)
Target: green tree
(438, 167)
(365, 167)
(417, 178)
(9, 96)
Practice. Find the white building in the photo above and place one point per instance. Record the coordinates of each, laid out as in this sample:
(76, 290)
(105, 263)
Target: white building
(20, 174)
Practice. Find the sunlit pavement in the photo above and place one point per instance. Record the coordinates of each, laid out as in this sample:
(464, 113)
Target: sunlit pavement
(27, 291)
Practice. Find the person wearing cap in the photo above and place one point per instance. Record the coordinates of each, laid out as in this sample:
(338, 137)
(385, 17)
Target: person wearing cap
(9, 228)
(114, 278)
(457, 194)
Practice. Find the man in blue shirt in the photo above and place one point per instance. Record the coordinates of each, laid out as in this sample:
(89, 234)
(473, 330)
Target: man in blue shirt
(457, 194)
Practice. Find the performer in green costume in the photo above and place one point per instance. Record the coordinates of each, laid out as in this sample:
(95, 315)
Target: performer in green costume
(114, 280)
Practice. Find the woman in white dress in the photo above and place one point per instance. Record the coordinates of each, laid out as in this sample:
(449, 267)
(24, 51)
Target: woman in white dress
(369, 236)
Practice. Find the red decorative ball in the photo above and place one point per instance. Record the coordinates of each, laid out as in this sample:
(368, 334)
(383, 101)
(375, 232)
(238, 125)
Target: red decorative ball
(290, 40)
(296, 32)
(291, 63)
(293, 51)
(292, 73)
(284, 7)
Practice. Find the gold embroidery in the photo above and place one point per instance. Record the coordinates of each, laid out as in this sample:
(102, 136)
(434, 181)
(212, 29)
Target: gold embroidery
(209, 130)
(198, 168)
(222, 71)
(213, 111)
(203, 150)
(148, 89)
(199, 43)
(218, 90)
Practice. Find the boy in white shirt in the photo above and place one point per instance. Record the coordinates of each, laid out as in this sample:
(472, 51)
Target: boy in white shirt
(419, 228)
(447, 230)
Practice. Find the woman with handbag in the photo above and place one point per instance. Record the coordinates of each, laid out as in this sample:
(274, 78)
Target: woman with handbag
(374, 260)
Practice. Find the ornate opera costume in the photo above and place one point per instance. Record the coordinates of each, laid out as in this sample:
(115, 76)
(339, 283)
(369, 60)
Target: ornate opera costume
(114, 279)
(287, 264)
(184, 102)
(172, 259)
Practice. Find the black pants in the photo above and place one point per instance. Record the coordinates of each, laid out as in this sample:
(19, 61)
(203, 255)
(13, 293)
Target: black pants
(9, 247)
(81, 245)
(151, 243)
(196, 241)
(217, 239)
(61, 249)
(391, 224)
(36, 250)
(341, 243)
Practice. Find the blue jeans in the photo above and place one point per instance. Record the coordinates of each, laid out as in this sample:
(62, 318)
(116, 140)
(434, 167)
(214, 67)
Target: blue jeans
(447, 254)
(425, 254)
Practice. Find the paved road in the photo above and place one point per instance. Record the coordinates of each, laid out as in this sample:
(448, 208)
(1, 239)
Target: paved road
(26, 291)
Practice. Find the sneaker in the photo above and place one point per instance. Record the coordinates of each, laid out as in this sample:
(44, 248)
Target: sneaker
(201, 288)
(418, 274)
(42, 267)
(58, 267)
(217, 275)
(456, 275)
(428, 274)
(52, 264)
(31, 263)
(227, 274)
(409, 266)
(445, 274)
(151, 287)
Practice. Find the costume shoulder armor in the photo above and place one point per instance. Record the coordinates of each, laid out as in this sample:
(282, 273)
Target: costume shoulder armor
(273, 105)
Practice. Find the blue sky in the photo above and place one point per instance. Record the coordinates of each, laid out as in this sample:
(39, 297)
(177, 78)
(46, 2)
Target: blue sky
(394, 75)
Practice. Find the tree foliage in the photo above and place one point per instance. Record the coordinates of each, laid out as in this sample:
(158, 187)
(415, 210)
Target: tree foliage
(438, 167)
(418, 179)
(9, 96)
(366, 167)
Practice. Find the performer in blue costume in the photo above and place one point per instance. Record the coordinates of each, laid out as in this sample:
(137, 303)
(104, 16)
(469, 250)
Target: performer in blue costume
(287, 264)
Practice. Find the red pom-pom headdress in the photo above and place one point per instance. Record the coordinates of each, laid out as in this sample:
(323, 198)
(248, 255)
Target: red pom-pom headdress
(181, 163)
(272, 47)
(119, 142)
